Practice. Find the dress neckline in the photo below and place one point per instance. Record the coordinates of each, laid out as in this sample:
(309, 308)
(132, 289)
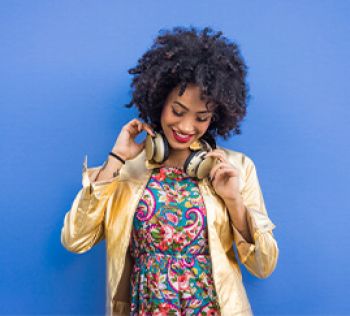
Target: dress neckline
(172, 168)
(172, 172)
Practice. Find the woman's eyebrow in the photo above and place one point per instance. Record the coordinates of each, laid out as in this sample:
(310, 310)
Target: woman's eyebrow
(183, 106)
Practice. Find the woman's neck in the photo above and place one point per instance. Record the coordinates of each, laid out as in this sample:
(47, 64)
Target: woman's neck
(177, 158)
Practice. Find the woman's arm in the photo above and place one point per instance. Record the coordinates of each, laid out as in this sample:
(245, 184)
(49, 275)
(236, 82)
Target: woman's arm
(109, 170)
(238, 216)
(84, 222)
(256, 245)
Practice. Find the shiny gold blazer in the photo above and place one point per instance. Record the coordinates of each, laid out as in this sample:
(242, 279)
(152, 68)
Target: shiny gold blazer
(105, 210)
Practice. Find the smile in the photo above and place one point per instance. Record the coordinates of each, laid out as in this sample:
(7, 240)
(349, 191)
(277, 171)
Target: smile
(182, 138)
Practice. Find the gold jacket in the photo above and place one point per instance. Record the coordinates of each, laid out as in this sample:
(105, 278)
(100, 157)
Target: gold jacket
(105, 210)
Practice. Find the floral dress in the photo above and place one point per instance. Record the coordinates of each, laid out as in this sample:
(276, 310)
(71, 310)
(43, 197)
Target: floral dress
(172, 273)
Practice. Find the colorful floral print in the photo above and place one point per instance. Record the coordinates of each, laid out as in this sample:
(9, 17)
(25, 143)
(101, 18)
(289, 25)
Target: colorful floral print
(172, 274)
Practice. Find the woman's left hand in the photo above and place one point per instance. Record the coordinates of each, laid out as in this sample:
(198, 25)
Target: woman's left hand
(224, 177)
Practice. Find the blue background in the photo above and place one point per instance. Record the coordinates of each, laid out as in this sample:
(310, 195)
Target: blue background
(63, 81)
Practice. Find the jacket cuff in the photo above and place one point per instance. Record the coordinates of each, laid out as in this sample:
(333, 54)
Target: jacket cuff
(258, 223)
(89, 182)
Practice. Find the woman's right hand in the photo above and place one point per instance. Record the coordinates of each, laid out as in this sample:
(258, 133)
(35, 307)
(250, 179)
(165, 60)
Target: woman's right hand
(125, 145)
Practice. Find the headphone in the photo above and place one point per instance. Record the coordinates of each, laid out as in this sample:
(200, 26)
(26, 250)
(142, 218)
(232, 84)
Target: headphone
(196, 164)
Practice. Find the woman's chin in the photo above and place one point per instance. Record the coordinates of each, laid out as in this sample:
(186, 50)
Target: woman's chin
(178, 146)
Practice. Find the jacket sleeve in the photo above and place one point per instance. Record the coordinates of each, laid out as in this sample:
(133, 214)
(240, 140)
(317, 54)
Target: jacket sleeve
(260, 258)
(84, 223)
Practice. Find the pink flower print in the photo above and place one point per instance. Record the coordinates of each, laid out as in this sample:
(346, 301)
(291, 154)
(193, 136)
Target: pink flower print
(161, 175)
(179, 238)
(199, 284)
(155, 280)
(164, 245)
(177, 171)
(185, 193)
(148, 236)
(189, 233)
(172, 218)
(164, 308)
(202, 259)
(167, 232)
(183, 280)
(170, 199)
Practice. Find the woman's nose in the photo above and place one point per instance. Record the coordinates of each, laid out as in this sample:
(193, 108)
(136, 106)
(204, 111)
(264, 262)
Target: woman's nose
(186, 127)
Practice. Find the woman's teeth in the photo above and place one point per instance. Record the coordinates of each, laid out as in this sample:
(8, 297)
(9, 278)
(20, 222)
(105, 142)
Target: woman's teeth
(182, 137)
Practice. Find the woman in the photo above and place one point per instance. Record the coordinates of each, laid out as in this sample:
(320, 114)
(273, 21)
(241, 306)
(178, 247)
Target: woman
(169, 235)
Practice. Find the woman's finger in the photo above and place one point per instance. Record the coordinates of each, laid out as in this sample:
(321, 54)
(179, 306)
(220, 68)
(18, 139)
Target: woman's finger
(224, 171)
(148, 129)
(132, 129)
(140, 126)
(136, 124)
(214, 170)
(219, 154)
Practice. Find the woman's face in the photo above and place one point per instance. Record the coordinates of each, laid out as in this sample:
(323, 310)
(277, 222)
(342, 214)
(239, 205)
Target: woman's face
(186, 118)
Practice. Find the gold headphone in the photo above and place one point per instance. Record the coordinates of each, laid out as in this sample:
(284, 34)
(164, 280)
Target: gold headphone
(196, 164)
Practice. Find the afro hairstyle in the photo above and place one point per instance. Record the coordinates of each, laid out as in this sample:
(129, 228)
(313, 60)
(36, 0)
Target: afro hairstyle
(183, 56)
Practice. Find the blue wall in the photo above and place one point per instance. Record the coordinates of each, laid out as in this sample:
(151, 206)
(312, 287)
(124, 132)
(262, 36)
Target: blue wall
(63, 81)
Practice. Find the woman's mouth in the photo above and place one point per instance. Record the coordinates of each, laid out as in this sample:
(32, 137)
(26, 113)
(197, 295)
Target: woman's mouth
(182, 138)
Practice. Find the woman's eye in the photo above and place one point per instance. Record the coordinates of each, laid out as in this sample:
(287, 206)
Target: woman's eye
(177, 113)
(198, 119)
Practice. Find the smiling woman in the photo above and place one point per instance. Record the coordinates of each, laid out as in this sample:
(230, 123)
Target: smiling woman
(170, 216)
(205, 58)
(183, 125)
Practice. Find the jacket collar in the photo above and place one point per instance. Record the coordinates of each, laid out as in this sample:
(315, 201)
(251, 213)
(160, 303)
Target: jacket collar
(151, 165)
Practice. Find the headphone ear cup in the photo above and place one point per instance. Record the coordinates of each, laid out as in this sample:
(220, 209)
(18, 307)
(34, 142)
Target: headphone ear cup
(204, 167)
(161, 148)
(197, 165)
(189, 166)
(193, 161)
(150, 147)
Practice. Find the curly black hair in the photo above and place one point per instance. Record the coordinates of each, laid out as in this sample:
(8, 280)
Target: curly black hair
(183, 56)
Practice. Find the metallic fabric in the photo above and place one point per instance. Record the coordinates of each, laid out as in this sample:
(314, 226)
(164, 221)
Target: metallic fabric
(105, 210)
